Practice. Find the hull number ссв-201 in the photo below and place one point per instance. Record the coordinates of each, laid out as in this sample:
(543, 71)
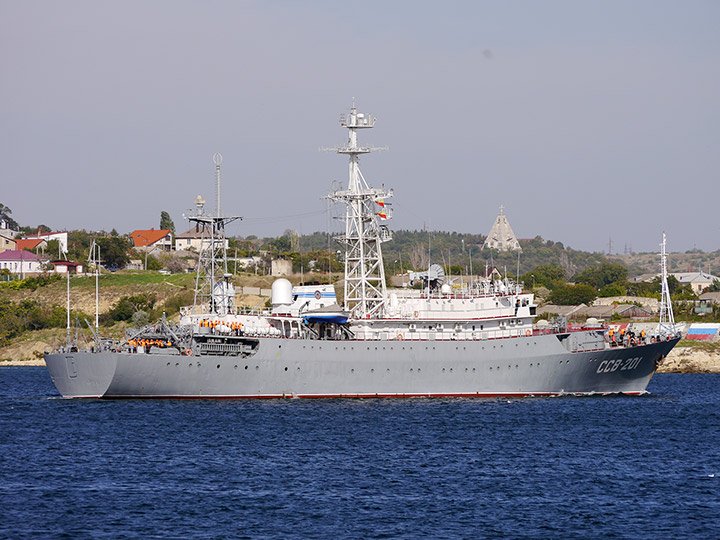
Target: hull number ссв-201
(623, 364)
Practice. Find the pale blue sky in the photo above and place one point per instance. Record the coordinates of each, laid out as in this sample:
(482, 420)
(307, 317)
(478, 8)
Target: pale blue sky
(586, 120)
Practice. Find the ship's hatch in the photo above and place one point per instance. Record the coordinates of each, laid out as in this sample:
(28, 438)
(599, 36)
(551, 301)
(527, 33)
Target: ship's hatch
(71, 368)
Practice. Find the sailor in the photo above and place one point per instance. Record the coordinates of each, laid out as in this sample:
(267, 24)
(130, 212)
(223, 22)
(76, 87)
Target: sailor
(642, 335)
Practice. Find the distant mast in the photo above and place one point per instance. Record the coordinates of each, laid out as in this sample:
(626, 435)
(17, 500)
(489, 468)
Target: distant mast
(667, 319)
(365, 290)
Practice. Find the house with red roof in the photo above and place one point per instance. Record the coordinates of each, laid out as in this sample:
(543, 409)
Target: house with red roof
(31, 244)
(152, 239)
(61, 237)
(22, 262)
(63, 267)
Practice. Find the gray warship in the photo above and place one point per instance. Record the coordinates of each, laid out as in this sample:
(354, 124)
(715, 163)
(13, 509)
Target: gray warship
(476, 340)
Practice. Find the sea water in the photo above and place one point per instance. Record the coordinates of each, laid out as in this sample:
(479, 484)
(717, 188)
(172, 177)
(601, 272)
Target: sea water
(643, 467)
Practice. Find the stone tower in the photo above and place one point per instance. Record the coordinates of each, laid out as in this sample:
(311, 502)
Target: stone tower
(501, 236)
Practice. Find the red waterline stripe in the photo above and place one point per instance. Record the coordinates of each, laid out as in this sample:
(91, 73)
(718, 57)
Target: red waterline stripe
(371, 396)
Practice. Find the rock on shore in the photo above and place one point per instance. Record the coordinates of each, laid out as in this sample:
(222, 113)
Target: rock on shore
(690, 360)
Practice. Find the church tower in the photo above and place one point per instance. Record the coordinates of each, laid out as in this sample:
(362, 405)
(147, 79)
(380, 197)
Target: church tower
(501, 236)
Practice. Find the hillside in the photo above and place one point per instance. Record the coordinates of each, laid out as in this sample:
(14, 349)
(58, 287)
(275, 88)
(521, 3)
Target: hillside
(690, 261)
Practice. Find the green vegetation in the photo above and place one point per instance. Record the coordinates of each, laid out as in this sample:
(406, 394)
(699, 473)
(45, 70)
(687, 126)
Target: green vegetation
(166, 222)
(30, 283)
(28, 315)
(5, 214)
(706, 346)
(572, 295)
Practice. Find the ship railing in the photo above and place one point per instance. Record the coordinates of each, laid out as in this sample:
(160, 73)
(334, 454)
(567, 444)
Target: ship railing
(437, 295)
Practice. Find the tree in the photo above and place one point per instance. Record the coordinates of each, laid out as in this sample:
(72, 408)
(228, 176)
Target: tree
(600, 276)
(53, 248)
(715, 287)
(546, 275)
(166, 222)
(114, 251)
(572, 295)
(5, 214)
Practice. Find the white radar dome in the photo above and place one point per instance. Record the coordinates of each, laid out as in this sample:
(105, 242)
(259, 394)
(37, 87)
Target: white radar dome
(281, 292)
(445, 289)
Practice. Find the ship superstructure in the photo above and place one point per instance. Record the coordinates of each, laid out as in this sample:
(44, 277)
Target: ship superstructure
(474, 340)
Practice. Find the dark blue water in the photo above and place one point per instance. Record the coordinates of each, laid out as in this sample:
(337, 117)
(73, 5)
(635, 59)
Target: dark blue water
(611, 467)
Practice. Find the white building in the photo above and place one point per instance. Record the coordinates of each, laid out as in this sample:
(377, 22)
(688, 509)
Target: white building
(699, 281)
(192, 239)
(22, 262)
(61, 237)
(501, 235)
(281, 267)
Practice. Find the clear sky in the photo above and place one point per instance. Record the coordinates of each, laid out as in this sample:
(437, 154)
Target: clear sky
(586, 120)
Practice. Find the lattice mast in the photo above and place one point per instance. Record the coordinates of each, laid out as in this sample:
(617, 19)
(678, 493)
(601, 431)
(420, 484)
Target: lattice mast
(667, 319)
(365, 290)
(213, 291)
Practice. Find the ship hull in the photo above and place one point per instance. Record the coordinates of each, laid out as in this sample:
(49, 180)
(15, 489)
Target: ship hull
(289, 368)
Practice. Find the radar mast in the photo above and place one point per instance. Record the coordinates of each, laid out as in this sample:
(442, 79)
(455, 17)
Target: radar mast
(213, 291)
(365, 289)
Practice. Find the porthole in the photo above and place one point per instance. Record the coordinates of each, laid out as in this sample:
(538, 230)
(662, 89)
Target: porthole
(286, 368)
(177, 364)
(443, 370)
(352, 370)
(257, 367)
(235, 366)
(168, 363)
(372, 370)
(218, 366)
(246, 367)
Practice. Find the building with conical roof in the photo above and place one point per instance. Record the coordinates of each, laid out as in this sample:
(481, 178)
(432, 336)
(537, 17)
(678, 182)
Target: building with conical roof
(501, 236)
